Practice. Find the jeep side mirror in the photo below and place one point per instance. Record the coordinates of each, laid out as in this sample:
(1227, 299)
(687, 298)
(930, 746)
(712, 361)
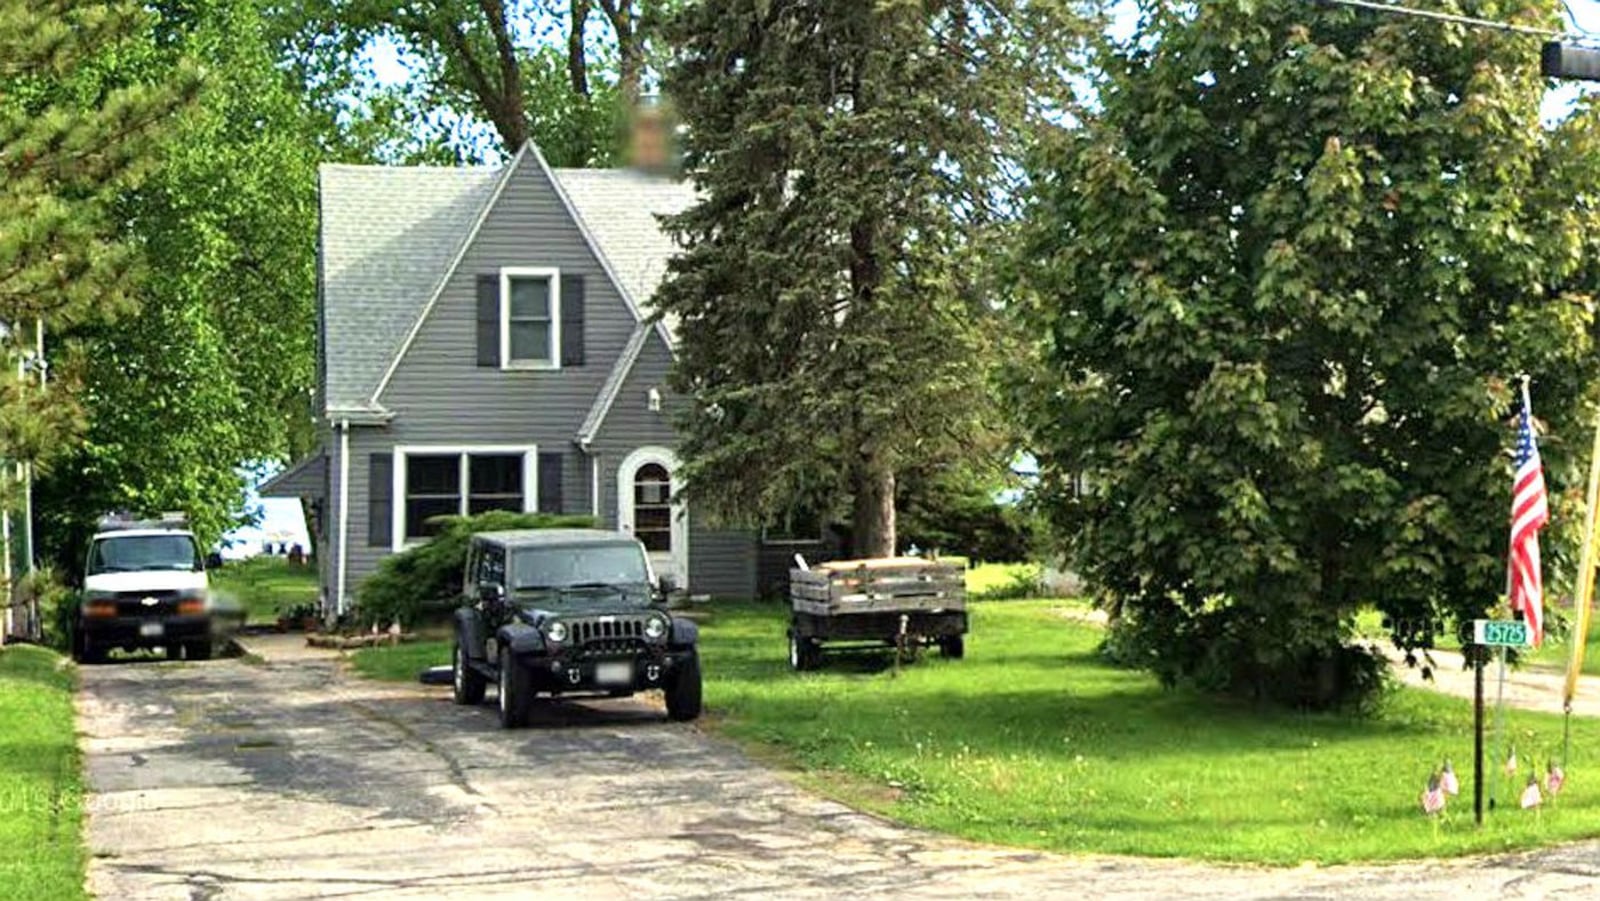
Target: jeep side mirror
(491, 592)
(668, 584)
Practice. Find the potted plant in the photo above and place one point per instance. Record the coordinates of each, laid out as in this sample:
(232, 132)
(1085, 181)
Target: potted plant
(302, 616)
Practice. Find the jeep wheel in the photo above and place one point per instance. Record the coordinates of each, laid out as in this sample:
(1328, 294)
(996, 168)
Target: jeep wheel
(516, 692)
(683, 694)
(804, 653)
(469, 683)
(954, 647)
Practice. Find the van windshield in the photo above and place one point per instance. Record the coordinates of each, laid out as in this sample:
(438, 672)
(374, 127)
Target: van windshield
(600, 566)
(137, 553)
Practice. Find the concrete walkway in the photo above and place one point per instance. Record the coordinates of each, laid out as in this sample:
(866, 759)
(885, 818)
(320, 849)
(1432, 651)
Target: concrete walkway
(233, 779)
(1529, 689)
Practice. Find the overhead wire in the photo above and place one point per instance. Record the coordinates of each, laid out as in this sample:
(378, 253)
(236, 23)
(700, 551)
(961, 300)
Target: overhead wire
(1455, 19)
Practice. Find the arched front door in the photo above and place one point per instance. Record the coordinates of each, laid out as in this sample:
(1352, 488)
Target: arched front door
(647, 483)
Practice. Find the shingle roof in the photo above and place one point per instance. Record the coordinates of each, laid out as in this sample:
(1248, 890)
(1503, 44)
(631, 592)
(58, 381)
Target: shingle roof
(620, 208)
(390, 234)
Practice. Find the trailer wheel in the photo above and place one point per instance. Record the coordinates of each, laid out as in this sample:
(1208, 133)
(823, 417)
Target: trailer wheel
(954, 647)
(804, 653)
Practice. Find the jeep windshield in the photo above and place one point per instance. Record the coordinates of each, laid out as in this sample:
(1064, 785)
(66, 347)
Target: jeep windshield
(141, 553)
(581, 572)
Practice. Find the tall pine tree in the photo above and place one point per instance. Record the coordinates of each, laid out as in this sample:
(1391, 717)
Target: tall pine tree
(67, 147)
(833, 302)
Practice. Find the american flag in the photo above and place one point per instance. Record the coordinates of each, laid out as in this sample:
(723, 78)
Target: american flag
(1448, 780)
(1554, 779)
(1530, 795)
(1433, 796)
(1530, 510)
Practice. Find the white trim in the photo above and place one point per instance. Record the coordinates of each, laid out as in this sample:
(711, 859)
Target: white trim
(449, 273)
(397, 493)
(680, 510)
(344, 515)
(594, 487)
(551, 275)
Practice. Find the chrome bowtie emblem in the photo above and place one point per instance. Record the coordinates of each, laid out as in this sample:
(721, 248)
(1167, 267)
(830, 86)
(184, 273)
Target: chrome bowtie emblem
(149, 602)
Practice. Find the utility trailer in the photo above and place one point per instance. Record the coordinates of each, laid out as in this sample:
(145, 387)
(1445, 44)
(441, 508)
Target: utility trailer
(903, 603)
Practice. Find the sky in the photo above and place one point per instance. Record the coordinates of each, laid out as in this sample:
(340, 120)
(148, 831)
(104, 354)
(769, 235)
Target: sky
(282, 519)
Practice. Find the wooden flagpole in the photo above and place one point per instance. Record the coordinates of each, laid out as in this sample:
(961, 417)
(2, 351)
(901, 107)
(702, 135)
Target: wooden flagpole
(1583, 586)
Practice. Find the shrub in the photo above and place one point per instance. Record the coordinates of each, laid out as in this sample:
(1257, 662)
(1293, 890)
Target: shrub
(1220, 652)
(428, 577)
(53, 602)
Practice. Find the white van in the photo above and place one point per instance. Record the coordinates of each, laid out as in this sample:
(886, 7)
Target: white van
(144, 586)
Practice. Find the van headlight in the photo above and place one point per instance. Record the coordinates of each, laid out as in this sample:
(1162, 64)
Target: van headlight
(655, 628)
(556, 631)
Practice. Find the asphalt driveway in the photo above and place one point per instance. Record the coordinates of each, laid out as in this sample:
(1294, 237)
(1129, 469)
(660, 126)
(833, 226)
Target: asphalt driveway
(229, 779)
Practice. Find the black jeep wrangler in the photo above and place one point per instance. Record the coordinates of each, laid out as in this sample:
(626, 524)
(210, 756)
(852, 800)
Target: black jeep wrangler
(569, 612)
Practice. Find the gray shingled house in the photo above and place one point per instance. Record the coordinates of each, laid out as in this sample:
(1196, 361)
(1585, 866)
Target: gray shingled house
(483, 344)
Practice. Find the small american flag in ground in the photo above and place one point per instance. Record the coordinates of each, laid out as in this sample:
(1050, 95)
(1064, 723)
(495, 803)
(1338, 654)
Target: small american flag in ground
(1530, 511)
(1530, 795)
(1554, 779)
(1448, 780)
(1433, 797)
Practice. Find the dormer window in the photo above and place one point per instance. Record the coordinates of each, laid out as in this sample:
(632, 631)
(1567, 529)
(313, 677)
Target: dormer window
(530, 319)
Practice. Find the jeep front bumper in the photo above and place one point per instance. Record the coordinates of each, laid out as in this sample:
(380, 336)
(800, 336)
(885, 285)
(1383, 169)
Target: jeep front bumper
(592, 673)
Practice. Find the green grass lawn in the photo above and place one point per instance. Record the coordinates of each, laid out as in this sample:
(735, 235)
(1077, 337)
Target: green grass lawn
(41, 786)
(1034, 741)
(1002, 579)
(400, 663)
(265, 585)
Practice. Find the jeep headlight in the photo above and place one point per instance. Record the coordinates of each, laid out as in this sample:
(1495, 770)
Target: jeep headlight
(556, 631)
(655, 628)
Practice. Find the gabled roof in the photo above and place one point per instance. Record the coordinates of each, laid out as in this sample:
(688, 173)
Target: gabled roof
(613, 385)
(620, 207)
(306, 478)
(388, 235)
(391, 237)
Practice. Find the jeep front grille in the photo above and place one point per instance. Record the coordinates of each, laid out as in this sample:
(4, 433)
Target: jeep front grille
(587, 630)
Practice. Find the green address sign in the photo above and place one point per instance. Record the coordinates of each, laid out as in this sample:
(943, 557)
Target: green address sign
(1501, 633)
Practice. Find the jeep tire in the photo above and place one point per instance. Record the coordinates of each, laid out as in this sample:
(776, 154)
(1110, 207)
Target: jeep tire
(683, 692)
(516, 692)
(468, 683)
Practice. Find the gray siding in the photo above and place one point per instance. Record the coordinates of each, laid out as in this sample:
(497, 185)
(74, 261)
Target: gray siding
(439, 392)
(722, 563)
(440, 396)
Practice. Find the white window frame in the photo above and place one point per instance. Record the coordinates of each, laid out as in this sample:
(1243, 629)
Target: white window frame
(553, 276)
(530, 479)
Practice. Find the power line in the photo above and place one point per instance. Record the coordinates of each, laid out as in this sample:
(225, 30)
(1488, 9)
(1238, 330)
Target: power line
(1454, 19)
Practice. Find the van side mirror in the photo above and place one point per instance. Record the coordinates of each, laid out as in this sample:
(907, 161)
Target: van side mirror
(213, 560)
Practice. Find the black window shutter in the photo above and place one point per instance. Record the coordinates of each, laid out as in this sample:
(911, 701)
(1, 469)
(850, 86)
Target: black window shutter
(550, 483)
(380, 500)
(489, 320)
(572, 320)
